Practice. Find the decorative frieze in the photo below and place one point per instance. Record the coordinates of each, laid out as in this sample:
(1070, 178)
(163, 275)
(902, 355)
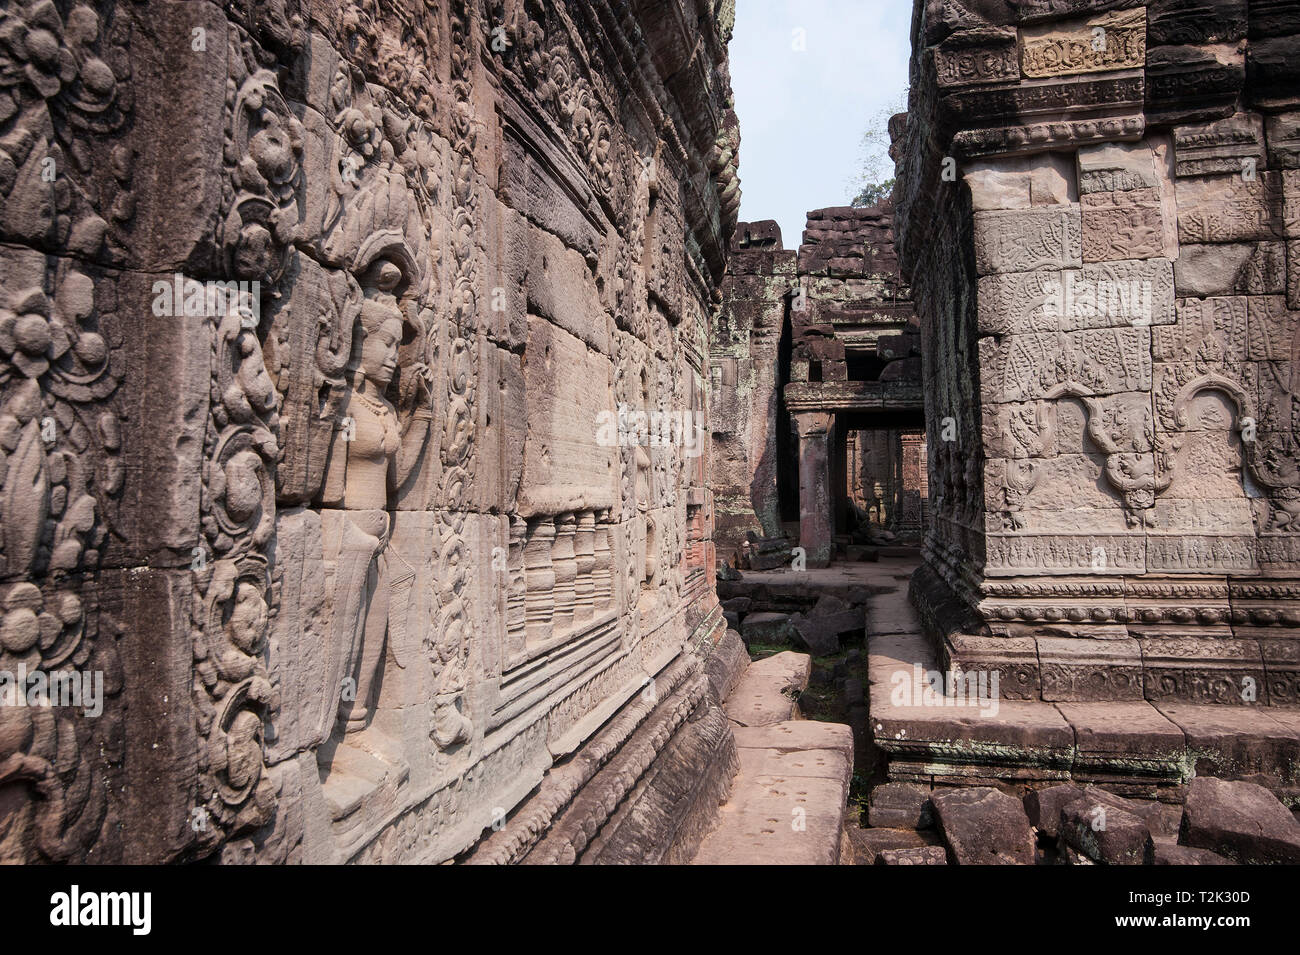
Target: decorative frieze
(1110, 41)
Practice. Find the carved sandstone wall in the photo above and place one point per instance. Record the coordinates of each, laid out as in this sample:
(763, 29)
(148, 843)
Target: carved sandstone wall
(1098, 210)
(745, 363)
(373, 496)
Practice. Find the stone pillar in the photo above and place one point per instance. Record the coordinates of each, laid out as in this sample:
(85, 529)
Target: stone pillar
(909, 487)
(815, 517)
(603, 564)
(839, 489)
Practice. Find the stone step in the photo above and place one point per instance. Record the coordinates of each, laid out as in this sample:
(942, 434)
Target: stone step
(767, 691)
(788, 800)
(1141, 747)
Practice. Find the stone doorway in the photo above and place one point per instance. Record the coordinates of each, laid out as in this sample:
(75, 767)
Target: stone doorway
(881, 494)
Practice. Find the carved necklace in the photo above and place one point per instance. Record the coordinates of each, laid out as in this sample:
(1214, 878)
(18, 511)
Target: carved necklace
(376, 406)
(386, 416)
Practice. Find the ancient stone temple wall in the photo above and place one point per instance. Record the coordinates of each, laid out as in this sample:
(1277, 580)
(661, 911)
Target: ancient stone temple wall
(746, 365)
(1099, 210)
(808, 351)
(366, 548)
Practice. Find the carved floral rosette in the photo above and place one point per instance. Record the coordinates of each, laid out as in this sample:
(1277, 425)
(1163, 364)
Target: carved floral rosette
(60, 477)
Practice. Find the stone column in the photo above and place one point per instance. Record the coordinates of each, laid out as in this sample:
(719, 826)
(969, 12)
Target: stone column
(815, 518)
(841, 508)
(909, 490)
(603, 565)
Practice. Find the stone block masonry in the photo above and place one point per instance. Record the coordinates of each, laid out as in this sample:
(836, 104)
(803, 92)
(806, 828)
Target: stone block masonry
(816, 366)
(353, 564)
(1097, 211)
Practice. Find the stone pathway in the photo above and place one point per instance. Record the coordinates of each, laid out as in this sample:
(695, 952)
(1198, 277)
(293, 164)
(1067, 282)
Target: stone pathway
(788, 801)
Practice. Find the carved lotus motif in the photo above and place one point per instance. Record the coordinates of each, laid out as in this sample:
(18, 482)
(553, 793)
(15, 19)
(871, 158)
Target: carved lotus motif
(33, 48)
(31, 335)
(275, 151)
(37, 331)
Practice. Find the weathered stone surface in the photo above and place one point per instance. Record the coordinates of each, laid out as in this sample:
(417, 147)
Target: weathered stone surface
(767, 628)
(794, 772)
(370, 440)
(1170, 853)
(901, 806)
(918, 855)
(1106, 832)
(868, 844)
(983, 826)
(353, 437)
(1230, 145)
(1094, 492)
(1027, 239)
(1043, 806)
(1239, 820)
(1109, 41)
(1111, 295)
(726, 664)
(1257, 268)
(767, 690)
(817, 634)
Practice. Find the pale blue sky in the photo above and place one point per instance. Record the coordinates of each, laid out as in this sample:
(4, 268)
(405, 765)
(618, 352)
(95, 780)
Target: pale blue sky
(803, 113)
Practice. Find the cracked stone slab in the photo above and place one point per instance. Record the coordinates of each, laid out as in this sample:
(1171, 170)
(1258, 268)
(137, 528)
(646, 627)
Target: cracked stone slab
(765, 694)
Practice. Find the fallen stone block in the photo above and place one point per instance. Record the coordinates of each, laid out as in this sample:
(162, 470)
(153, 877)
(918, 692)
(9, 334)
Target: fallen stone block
(869, 843)
(1106, 833)
(1043, 806)
(1168, 853)
(739, 605)
(768, 561)
(919, 855)
(816, 635)
(901, 806)
(826, 605)
(769, 628)
(1073, 856)
(984, 826)
(854, 694)
(1239, 820)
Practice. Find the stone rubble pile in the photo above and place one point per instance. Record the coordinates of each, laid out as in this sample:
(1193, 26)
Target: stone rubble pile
(1221, 822)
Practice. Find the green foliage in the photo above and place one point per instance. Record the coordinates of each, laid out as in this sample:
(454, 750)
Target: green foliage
(875, 179)
(872, 193)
